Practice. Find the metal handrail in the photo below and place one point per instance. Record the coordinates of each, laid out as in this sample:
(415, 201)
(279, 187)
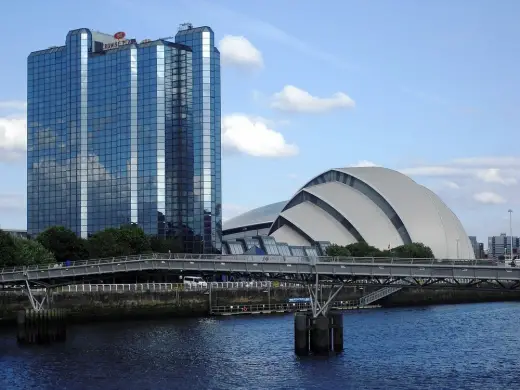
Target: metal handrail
(123, 287)
(251, 259)
(378, 294)
(245, 308)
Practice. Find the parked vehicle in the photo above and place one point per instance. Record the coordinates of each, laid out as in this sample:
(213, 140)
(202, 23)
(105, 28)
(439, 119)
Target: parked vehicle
(195, 281)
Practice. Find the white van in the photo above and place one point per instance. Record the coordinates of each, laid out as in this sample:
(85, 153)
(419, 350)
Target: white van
(195, 282)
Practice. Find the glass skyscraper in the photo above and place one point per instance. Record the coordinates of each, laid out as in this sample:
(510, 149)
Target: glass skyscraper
(121, 131)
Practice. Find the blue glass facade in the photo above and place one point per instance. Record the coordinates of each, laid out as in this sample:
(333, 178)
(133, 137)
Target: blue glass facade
(117, 134)
(206, 130)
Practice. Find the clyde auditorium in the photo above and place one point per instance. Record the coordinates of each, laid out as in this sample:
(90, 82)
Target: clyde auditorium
(380, 206)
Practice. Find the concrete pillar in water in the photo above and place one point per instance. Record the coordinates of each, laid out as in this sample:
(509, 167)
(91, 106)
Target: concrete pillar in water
(301, 334)
(320, 340)
(38, 327)
(336, 331)
(21, 335)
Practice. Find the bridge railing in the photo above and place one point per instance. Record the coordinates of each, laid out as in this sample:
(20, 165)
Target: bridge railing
(88, 288)
(249, 259)
(239, 309)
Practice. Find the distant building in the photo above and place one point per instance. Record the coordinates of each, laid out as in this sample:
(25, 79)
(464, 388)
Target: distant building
(16, 232)
(376, 205)
(501, 245)
(478, 247)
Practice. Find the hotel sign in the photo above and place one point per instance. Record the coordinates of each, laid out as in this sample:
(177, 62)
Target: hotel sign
(115, 45)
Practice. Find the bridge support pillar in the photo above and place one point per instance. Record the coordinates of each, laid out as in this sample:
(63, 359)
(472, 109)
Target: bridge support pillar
(301, 334)
(320, 339)
(336, 331)
(41, 327)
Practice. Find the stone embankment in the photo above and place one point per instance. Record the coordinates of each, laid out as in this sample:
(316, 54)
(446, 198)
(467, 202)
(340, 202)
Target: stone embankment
(102, 306)
(106, 306)
(426, 297)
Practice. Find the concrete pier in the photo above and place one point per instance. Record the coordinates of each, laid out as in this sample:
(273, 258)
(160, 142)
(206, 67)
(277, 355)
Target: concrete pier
(301, 334)
(320, 340)
(318, 336)
(41, 327)
(336, 331)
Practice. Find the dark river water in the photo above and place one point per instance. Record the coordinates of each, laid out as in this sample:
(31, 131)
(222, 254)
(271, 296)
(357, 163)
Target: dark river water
(441, 347)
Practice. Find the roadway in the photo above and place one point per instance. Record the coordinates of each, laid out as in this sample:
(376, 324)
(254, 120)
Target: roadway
(272, 266)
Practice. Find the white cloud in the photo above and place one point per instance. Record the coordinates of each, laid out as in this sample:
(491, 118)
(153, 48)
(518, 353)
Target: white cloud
(254, 137)
(479, 169)
(294, 99)
(266, 30)
(365, 163)
(13, 130)
(494, 175)
(504, 161)
(238, 51)
(452, 185)
(488, 198)
(466, 182)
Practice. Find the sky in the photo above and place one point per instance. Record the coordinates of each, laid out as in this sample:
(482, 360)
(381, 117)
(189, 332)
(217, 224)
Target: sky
(426, 88)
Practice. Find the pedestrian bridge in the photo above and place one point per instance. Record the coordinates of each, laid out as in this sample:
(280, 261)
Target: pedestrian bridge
(289, 267)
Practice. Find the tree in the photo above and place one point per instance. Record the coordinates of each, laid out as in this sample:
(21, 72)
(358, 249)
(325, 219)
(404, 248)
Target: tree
(133, 239)
(8, 252)
(30, 252)
(338, 250)
(362, 249)
(106, 243)
(63, 243)
(126, 240)
(166, 244)
(415, 250)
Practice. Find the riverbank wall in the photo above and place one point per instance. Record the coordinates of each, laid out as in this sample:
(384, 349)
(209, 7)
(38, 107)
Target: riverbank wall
(409, 297)
(114, 306)
(108, 306)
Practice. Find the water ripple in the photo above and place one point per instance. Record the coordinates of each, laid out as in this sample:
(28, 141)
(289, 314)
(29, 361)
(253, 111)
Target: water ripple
(443, 347)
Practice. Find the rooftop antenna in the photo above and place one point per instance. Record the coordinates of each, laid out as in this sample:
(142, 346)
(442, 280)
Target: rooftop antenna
(185, 26)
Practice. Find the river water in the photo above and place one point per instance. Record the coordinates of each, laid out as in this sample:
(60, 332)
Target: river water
(440, 347)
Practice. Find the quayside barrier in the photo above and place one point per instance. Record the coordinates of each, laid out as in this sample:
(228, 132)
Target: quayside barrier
(41, 326)
(318, 336)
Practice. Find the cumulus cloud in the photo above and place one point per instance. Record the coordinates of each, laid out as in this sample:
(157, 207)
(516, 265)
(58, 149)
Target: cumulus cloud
(238, 51)
(254, 137)
(293, 99)
(13, 130)
(489, 198)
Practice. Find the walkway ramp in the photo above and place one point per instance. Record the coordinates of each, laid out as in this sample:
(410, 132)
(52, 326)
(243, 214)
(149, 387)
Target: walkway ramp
(377, 295)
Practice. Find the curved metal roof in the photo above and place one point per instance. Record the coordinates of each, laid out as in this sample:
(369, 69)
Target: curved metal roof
(383, 206)
(264, 214)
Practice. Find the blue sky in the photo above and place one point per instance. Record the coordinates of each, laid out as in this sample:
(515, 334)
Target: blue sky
(428, 88)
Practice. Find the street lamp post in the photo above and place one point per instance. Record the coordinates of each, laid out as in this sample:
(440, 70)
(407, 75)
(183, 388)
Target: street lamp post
(511, 232)
(457, 248)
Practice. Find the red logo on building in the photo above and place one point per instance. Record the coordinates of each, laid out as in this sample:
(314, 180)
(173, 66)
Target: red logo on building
(119, 35)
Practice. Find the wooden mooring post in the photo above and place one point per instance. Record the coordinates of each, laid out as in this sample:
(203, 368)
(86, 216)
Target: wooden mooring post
(41, 326)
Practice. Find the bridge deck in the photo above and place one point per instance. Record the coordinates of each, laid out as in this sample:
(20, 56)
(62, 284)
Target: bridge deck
(288, 265)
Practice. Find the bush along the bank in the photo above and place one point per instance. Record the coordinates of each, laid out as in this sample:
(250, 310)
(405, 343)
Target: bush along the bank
(414, 250)
(15, 251)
